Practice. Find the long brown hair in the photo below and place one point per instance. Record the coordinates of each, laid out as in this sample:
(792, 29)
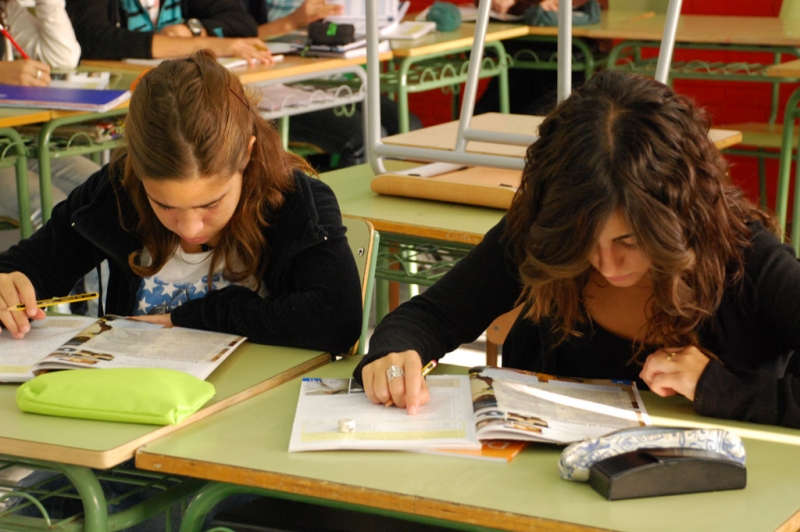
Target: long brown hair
(191, 117)
(630, 143)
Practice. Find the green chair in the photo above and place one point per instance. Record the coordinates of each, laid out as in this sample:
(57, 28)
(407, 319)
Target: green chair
(363, 240)
(13, 152)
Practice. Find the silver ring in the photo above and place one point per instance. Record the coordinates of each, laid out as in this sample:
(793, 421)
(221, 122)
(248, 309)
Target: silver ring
(394, 372)
(38, 74)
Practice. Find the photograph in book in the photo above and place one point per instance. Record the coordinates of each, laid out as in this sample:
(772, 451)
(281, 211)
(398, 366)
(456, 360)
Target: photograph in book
(76, 342)
(517, 405)
(334, 414)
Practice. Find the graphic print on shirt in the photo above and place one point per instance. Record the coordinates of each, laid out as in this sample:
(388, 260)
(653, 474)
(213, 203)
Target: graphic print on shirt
(156, 296)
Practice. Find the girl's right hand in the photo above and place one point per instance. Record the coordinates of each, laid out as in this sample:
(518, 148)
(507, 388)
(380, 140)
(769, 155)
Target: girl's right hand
(408, 392)
(25, 72)
(16, 288)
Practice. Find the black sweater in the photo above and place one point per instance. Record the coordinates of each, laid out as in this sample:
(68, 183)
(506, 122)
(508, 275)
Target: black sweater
(314, 299)
(754, 332)
(101, 26)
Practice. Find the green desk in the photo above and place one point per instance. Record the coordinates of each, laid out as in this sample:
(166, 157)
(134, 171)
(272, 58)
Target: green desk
(420, 240)
(74, 446)
(466, 494)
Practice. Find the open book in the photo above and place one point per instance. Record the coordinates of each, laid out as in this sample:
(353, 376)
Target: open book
(488, 404)
(75, 342)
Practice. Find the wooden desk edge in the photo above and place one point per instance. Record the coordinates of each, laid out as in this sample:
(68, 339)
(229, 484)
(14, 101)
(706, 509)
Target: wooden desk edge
(445, 235)
(112, 457)
(442, 47)
(381, 499)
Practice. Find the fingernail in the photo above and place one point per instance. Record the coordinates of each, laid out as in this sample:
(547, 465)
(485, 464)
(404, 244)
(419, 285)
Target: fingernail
(412, 410)
(25, 328)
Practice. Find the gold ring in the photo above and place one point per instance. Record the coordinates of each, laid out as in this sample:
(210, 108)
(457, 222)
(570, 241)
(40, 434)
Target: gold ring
(671, 356)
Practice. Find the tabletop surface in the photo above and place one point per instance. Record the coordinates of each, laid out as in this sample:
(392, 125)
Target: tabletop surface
(438, 42)
(427, 219)
(524, 494)
(249, 370)
(712, 29)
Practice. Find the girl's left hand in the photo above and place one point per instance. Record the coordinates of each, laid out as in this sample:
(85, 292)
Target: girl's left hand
(158, 319)
(674, 370)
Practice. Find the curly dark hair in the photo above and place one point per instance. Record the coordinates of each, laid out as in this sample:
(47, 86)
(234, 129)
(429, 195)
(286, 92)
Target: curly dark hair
(629, 143)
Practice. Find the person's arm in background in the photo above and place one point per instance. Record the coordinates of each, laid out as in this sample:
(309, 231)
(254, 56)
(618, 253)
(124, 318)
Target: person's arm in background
(518, 7)
(47, 36)
(95, 23)
(308, 12)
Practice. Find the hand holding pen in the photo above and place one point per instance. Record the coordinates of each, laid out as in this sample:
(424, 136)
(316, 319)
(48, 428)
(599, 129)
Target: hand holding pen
(15, 289)
(25, 71)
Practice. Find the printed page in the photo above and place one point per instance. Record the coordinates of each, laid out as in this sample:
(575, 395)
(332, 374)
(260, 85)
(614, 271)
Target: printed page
(115, 342)
(17, 357)
(336, 414)
(546, 408)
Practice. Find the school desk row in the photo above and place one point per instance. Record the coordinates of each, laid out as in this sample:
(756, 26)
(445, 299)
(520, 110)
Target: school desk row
(240, 441)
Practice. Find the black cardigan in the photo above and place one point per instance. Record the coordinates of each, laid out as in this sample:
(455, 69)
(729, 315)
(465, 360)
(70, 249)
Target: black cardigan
(754, 332)
(102, 30)
(314, 294)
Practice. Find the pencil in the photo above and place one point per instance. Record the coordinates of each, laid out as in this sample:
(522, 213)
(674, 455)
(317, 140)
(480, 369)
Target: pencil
(13, 42)
(58, 300)
(427, 368)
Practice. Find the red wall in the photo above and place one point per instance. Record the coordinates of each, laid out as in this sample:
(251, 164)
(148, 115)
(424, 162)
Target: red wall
(727, 102)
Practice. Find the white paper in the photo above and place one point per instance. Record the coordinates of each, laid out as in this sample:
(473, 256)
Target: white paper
(445, 422)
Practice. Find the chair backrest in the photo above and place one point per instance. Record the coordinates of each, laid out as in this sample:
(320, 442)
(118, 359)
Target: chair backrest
(363, 240)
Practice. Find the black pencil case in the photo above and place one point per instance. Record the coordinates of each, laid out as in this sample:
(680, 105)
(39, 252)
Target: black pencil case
(330, 33)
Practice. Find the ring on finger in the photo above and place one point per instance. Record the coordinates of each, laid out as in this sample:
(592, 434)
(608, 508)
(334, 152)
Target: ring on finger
(394, 372)
(671, 356)
(38, 74)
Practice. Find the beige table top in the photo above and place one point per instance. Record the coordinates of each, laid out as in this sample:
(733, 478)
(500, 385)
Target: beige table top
(292, 65)
(443, 136)
(248, 371)
(790, 69)
(441, 42)
(713, 29)
(247, 444)
(609, 19)
(13, 117)
(436, 220)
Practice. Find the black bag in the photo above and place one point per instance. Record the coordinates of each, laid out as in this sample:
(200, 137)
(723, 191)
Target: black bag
(331, 34)
(588, 13)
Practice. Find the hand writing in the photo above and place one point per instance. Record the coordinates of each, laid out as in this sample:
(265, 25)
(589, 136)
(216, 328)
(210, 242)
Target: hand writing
(158, 319)
(16, 288)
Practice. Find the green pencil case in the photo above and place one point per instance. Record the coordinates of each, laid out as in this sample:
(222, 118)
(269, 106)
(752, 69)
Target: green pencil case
(130, 395)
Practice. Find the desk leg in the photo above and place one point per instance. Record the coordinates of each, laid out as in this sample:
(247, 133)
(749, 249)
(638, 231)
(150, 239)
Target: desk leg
(785, 171)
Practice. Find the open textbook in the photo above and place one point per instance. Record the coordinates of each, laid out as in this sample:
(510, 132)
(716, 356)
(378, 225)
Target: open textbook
(75, 342)
(488, 404)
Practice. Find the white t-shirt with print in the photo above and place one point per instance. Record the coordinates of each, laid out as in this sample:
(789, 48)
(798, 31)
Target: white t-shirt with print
(183, 277)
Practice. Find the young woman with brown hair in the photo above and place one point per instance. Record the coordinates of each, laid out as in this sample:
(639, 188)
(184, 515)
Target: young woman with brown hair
(635, 259)
(206, 222)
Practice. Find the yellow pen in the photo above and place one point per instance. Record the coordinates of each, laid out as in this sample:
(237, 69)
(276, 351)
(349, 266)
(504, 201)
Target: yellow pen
(58, 300)
(427, 368)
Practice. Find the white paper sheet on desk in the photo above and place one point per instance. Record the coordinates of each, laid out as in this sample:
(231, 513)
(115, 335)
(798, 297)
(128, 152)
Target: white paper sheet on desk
(446, 421)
